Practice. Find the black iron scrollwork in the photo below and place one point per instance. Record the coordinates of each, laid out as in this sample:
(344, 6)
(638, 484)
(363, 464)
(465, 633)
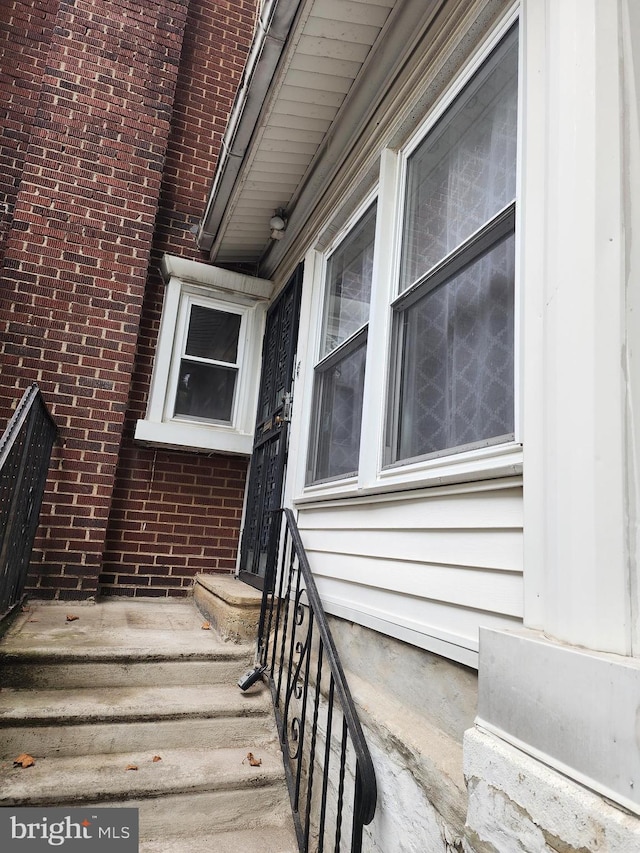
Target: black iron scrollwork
(293, 627)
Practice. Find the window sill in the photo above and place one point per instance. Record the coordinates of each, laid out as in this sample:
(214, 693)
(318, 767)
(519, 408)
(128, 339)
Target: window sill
(462, 472)
(202, 438)
(497, 460)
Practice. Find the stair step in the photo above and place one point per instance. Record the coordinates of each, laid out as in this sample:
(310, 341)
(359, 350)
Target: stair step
(104, 779)
(188, 791)
(127, 681)
(102, 720)
(100, 704)
(271, 839)
(120, 668)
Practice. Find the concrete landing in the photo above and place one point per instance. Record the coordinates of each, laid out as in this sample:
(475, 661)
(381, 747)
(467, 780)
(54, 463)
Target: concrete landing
(149, 628)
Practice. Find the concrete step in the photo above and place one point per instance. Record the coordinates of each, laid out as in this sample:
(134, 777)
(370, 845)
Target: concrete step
(68, 668)
(270, 839)
(120, 683)
(187, 791)
(100, 720)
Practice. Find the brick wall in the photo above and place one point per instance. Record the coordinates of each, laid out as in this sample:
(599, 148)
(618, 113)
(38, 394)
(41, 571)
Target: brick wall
(114, 111)
(25, 33)
(77, 252)
(175, 514)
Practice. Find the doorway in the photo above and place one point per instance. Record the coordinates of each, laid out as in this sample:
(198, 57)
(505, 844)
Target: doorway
(269, 456)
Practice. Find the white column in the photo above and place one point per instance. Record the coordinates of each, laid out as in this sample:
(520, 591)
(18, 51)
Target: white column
(573, 265)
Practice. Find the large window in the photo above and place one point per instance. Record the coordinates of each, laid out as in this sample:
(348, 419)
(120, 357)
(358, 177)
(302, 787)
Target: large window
(452, 370)
(339, 373)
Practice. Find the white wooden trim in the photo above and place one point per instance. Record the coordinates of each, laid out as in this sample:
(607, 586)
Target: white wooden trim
(575, 478)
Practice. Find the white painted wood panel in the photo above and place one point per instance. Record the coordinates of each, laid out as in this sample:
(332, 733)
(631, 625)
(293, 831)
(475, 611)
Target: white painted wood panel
(444, 629)
(498, 550)
(331, 49)
(308, 109)
(314, 96)
(271, 142)
(273, 159)
(289, 121)
(473, 588)
(341, 31)
(498, 508)
(355, 13)
(294, 135)
(326, 63)
(264, 181)
(429, 567)
(313, 80)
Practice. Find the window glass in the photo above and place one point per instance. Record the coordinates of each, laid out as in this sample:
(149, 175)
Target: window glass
(348, 285)
(205, 391)
(340, 405)
(208, 372)
(213, 334)
(339, 375)
(452, 372)
(464, 171)
(457, 356)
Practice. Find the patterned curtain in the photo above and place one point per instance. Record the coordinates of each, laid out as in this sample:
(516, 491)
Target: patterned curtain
(457, 381)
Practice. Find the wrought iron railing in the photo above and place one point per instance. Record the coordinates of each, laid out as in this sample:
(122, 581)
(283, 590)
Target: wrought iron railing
(25, 451)
(329, 771)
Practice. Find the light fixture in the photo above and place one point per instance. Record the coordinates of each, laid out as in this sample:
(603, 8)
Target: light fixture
(277, 224)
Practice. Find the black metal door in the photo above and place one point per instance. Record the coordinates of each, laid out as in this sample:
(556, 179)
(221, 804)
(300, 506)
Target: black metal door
(266, 472)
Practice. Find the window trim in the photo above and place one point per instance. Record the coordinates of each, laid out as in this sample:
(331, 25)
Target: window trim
(187, 283)
(320, 365)
(188, 299)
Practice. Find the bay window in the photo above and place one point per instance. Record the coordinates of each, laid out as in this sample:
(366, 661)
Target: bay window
(206, 367)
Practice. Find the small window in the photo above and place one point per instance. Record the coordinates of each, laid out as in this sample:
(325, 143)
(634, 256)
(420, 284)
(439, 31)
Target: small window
(339, 374)
(452, 376)
(206, 370)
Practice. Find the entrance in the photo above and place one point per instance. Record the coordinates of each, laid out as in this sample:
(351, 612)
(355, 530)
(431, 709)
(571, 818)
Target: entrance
(268, 462)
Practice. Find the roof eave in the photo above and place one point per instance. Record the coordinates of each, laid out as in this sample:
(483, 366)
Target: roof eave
(272, 31)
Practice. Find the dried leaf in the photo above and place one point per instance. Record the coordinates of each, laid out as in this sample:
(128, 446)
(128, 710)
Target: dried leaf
(206, 626)
(24, 760)
(131, 767)
(157, 758)
(71, 618)
(253, 761)
(25, 609)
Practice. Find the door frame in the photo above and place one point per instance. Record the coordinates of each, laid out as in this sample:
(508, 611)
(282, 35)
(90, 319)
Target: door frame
(272, 427)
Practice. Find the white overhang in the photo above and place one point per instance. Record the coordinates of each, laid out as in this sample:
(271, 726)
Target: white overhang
(305, 59)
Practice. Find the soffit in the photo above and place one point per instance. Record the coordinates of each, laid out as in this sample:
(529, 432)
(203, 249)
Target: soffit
(325, 53)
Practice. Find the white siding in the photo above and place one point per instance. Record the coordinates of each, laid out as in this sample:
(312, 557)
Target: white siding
(429, 567)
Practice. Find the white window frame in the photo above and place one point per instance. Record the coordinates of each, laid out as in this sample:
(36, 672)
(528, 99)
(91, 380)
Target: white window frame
(467, 466)
(194, 298)
(319, 358)
(191, 283)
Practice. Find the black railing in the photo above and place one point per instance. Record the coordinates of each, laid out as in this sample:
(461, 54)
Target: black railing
(329, 771)
(25, 451)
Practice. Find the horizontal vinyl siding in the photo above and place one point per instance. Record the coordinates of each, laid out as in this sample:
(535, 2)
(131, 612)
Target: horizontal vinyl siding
(427, 567)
